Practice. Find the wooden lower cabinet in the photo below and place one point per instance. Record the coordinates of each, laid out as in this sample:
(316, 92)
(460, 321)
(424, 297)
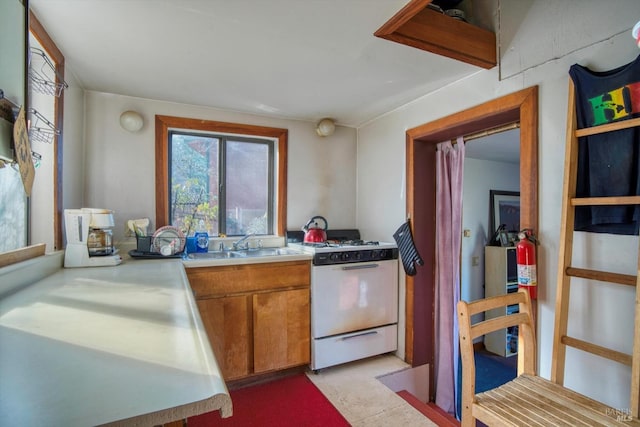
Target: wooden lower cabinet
(257, 316)
(227, 322)
(281, 330)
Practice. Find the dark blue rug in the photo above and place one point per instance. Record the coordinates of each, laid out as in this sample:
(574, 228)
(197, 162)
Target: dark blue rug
(491, 371)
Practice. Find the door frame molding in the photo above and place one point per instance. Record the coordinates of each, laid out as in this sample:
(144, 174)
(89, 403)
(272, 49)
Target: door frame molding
(421, 141)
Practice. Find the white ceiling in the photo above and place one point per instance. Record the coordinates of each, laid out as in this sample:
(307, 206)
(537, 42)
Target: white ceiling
(499, 147)
(296, 59)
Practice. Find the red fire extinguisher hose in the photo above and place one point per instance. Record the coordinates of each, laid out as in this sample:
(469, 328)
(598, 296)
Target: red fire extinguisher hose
(526, 261)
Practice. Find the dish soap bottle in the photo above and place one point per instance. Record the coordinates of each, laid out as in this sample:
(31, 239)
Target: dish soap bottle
(202, 238)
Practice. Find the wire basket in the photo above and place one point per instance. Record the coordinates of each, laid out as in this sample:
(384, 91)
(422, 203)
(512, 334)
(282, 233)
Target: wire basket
(41, 129)
(148, 245)
(43, 77)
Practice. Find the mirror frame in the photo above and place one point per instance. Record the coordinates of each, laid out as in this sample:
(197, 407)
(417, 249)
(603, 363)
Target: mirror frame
(33, 27)
(16, 92)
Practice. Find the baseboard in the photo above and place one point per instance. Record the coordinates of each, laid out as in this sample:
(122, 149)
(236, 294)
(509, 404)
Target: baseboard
(430, 410)
(257, 379)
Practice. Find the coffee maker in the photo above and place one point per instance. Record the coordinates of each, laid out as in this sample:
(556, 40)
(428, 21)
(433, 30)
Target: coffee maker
(89, 238)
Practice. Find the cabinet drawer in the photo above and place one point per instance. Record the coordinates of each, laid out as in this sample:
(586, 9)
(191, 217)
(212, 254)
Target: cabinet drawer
(236, 279)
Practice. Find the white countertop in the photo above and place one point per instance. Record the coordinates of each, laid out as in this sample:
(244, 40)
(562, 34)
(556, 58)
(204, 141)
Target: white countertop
(91, 346)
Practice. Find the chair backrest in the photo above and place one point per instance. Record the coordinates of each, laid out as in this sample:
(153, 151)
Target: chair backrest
(468, 332)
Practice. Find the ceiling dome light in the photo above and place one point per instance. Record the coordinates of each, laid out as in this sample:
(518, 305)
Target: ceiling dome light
(131, 121)
(325, 127)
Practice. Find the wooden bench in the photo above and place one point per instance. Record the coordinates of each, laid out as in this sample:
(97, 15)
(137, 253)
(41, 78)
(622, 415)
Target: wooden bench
(528, 400)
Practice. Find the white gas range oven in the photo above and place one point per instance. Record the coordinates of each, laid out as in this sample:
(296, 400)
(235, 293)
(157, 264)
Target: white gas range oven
(354, 297)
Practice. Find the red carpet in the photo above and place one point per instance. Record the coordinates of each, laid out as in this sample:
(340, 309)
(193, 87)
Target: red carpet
(291, 401)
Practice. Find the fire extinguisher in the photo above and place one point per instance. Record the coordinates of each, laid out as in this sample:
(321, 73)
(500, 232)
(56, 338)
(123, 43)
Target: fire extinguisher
(526, 260)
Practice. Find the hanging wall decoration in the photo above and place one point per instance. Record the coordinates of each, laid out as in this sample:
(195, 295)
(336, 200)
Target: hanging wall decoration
(23, 152)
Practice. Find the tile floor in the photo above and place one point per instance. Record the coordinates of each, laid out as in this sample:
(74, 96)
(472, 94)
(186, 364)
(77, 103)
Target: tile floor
(363, 400)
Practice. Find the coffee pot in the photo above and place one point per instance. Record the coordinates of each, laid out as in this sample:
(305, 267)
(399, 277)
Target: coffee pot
(89, 238)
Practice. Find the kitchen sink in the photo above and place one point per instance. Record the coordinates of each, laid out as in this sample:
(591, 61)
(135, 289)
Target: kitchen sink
(269, 252)
(215, 255)
(246, 253)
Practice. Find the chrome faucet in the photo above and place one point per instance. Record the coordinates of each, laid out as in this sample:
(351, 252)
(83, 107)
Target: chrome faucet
(237, 244)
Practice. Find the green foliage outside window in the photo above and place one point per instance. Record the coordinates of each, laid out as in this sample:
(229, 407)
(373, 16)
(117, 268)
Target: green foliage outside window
(191, 199)
(237, 207)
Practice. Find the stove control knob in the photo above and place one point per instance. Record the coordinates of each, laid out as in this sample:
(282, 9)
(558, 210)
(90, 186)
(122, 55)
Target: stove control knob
(334, 256)
(374, 254)
(357, 256)
(383, 254)
(346, 256)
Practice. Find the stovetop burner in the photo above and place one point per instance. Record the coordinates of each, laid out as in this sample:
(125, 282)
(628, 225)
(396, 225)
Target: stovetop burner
(340, 243)
(360, 242)
(343, 246)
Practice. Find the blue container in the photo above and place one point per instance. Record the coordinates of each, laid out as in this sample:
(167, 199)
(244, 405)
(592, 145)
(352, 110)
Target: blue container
(191, 246)
(202, 238)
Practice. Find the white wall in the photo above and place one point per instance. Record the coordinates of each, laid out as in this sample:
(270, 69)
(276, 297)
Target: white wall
(73, 179)
(480, 176)
(557, 35)
(120, 172)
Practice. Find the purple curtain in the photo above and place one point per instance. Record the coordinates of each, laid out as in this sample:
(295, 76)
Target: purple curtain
(449, 173)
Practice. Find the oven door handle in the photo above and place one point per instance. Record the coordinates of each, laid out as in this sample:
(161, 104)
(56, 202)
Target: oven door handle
(360, 266)
(360, 335)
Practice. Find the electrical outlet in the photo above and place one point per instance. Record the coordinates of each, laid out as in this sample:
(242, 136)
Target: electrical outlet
(466, 233)
(475, 260)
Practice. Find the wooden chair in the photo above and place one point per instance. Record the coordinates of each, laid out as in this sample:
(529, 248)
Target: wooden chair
(528, 400)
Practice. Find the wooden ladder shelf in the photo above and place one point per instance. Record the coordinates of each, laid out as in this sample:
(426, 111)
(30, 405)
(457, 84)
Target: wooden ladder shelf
(565, 271)
(528, 399)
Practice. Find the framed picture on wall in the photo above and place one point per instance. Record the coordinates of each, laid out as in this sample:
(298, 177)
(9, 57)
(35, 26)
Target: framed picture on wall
(505, 209)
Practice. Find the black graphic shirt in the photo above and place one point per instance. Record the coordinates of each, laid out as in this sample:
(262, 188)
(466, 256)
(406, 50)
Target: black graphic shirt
(608, 163)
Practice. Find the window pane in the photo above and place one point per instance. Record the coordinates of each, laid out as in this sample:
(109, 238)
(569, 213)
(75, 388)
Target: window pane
(193, 182)
(247, 188)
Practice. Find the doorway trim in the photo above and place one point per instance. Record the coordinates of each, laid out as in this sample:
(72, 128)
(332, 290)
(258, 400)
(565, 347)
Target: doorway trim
(421, 141)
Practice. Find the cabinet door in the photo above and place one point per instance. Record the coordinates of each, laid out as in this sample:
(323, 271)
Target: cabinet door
(228, 326)
(281, 329)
